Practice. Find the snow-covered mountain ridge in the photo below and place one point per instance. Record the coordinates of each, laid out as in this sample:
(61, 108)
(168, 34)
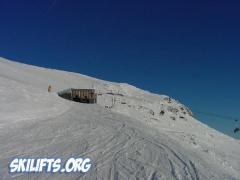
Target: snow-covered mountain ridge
(129, 134)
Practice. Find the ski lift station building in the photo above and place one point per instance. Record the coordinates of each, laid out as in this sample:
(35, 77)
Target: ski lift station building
(79, 95)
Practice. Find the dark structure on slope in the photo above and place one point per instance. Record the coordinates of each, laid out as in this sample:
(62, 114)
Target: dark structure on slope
(79, 95)
(236, 130)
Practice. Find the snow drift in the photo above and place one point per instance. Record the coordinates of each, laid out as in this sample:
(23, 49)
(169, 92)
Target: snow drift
(129, 134)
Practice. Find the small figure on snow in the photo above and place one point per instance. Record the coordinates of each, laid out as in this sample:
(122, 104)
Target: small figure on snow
(162, 112)
(49, 88)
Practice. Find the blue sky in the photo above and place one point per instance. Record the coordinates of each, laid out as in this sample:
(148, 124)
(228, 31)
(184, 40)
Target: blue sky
(186, 49)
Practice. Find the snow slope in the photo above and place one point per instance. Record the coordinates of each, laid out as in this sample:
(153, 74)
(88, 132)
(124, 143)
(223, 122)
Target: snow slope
(125, 134)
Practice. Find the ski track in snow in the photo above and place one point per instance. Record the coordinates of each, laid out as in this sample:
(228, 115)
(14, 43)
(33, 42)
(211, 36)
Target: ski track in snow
(130, 140)
(119, 153)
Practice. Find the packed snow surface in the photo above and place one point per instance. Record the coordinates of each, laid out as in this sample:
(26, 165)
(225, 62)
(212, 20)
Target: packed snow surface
(129, 134)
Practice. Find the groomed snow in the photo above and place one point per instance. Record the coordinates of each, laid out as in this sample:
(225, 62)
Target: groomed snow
(125, 134)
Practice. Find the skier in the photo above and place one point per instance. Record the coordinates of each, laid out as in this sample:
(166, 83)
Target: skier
(49, 88)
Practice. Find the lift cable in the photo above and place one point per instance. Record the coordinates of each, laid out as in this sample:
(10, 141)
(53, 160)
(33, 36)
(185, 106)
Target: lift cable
(216, 115)
(237, 129)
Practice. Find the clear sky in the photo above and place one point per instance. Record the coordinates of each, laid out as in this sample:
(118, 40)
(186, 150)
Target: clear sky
(186, 49)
